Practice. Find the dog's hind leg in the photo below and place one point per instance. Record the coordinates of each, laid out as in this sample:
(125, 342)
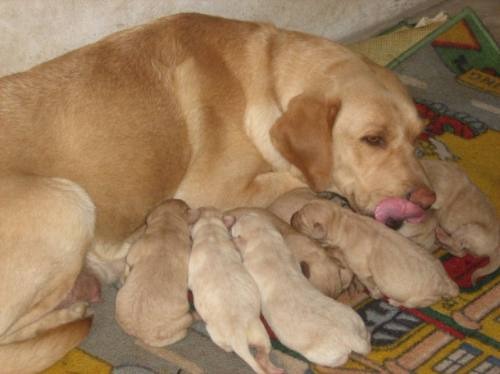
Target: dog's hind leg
(37, 354)
(46, 228)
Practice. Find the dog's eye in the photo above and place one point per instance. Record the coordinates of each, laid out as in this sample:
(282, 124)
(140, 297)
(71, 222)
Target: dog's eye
(374, 140)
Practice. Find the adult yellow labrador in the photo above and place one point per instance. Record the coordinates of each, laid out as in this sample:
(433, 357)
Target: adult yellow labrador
(209, 110)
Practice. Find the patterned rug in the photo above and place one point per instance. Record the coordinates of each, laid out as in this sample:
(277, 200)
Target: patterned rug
(453, 71)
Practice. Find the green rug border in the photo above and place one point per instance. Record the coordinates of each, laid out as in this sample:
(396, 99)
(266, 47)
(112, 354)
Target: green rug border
(466, 12)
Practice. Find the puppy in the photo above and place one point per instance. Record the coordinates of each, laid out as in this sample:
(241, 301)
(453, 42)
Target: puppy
(152, 305)
(323, 271)
(225, 296)
(287, 204)
(468, 222)
(384, 261)
(320, 328)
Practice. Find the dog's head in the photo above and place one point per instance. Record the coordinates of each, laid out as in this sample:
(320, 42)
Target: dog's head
(357, 139)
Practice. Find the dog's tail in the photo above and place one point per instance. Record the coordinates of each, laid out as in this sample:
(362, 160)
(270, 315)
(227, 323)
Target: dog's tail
(256, 336)
(491, 267)
(40, 352)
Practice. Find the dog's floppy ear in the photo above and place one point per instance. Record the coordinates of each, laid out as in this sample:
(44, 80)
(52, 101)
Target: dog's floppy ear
(303, 135)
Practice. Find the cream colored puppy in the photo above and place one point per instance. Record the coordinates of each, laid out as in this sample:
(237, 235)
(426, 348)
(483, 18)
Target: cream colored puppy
(467, 219)
(320, 328)
(290, 202)
(225, 296)
(384, 261)
(287, 204)
(323, 271)
(152, 305)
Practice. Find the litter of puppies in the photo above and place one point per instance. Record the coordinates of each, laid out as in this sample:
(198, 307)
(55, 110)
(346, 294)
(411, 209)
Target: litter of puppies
(290, 261)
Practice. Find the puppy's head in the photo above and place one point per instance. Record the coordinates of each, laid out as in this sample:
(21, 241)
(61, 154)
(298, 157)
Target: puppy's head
(246, 226)
(249, 224)
(199, 217)
(171, 207)
(323, 272)
(314, 219)
(356, 135)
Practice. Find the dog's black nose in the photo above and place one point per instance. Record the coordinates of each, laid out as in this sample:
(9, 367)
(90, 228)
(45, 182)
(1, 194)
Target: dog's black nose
(394, 223)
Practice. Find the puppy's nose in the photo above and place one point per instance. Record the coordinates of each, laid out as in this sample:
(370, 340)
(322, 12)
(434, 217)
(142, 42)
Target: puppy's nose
(422, 196)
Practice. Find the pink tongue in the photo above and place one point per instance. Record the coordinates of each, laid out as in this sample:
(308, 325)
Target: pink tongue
(398, 209)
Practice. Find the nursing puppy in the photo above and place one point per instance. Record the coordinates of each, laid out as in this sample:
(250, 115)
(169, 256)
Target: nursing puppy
(323, 271)
(287, 204)
(467, 219)
(290, 202)
(152, 305)
(225, 296)
(320, 328)
(384, 261)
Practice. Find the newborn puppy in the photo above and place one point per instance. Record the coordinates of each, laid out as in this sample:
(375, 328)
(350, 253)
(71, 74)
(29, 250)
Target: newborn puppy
(152, 305)
(323, 271)
(320, 328)
(384, 261)
(225, 295)
(288, 203)
(467, 219)
(422, 233)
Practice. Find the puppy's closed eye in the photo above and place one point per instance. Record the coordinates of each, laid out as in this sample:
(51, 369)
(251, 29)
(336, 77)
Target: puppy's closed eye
(374, 140)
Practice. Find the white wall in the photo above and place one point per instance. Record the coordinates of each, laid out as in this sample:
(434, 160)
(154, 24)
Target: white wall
(32, 31)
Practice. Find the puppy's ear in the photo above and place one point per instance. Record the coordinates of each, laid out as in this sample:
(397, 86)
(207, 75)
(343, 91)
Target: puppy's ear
(193, 216)
(318, 231)
(303, 135)
(229, 221)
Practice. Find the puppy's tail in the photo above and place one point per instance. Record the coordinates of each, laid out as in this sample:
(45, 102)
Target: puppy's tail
(256, 336)
(491, 267)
